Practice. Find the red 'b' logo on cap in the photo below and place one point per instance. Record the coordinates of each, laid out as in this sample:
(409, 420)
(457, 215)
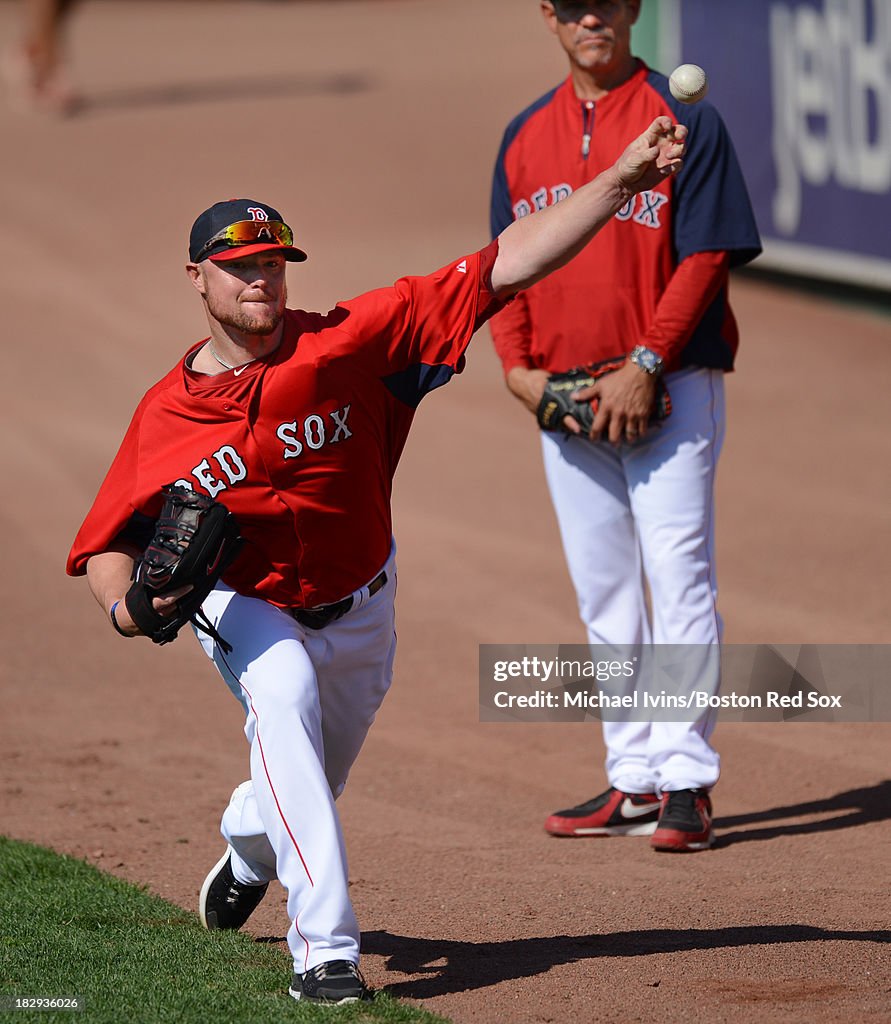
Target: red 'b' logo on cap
(257, 213)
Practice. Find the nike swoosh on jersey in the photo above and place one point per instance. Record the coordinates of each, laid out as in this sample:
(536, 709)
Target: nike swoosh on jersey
(632, 810)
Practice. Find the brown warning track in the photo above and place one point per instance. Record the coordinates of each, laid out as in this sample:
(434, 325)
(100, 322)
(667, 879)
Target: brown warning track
(374, 127)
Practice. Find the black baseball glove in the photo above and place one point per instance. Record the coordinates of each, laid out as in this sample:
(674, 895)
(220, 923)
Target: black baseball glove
(196, 539)
(556, 402)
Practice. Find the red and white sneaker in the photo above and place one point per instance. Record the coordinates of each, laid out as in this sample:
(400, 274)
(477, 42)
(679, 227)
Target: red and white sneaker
(613, 813)
(685, 822)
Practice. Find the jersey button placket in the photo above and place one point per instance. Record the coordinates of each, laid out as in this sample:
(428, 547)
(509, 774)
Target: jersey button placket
(587, 127)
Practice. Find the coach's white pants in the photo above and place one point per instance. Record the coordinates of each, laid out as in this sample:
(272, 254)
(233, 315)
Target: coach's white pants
(646, 511)
(310, 697)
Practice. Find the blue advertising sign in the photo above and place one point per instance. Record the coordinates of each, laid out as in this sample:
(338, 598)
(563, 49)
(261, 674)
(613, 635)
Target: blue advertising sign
(805, 88)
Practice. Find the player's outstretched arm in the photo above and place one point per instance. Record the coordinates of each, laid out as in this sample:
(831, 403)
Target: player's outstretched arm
(533, 246)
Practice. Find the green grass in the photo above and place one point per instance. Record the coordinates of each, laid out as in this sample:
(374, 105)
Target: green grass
(66, 929)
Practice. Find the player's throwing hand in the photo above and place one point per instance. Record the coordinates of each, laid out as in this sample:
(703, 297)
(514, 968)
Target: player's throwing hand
(652, 156)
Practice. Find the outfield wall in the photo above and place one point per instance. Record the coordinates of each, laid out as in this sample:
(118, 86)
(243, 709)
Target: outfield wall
(805, 87)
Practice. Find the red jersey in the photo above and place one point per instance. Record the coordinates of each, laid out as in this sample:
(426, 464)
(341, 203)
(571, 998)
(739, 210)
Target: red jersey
(605, 300)
(301, 445)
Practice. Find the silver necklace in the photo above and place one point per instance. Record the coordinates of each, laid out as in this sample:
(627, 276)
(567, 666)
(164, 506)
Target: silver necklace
(223, 362)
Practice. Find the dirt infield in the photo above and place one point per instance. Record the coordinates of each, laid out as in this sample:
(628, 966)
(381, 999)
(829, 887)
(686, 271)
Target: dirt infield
(374, 126)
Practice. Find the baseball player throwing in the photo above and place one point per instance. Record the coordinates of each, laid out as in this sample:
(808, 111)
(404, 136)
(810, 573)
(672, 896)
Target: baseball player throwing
(649, 299)
(296, 421)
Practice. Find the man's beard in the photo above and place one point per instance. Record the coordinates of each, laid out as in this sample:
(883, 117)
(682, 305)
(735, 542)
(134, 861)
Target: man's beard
(248, 323)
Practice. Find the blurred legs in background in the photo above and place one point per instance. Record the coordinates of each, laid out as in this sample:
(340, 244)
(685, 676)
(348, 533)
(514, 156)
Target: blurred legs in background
(34, 69)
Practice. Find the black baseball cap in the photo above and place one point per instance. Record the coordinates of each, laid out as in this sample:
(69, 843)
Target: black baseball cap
(241, 227)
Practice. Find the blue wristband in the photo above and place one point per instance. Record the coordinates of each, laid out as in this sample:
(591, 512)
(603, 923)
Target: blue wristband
(114, 622)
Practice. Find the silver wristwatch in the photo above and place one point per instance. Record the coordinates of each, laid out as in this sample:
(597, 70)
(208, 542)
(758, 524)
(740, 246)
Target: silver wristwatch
(646, 359)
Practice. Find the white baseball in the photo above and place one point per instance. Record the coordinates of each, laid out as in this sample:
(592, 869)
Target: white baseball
(688, 83)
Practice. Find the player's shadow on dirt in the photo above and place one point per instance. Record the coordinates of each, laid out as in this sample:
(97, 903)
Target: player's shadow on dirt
(170, 94)
(459, 966)
(862, 807)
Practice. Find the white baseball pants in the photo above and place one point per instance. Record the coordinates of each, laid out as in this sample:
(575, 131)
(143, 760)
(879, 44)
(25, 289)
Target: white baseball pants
(310, 697)
(644, 514)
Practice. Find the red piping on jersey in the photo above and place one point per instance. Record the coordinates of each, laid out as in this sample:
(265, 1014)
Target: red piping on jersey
(272, 789)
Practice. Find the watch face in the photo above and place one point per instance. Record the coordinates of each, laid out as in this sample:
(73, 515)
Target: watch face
(646, 359)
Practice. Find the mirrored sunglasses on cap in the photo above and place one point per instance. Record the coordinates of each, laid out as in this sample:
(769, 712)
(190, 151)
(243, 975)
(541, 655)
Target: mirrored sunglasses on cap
(257, 234)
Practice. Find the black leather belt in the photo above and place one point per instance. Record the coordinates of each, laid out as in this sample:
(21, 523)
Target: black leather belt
(324, 614)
